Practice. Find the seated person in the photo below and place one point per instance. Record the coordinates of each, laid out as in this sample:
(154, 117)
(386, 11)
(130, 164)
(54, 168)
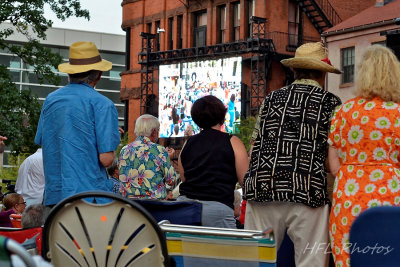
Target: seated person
(113, 177)
(144, 166)
(33, 216)
(211, 163)
(13, 204)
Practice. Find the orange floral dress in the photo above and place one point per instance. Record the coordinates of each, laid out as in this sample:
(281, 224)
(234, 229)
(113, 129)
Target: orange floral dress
(367, 136)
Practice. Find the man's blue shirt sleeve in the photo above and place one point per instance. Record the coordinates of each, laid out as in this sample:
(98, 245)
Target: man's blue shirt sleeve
(106, 124)
(38, 137)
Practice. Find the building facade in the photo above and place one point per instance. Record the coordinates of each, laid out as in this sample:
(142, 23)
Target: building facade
(111, 47)
(348, 40)
(187, 30)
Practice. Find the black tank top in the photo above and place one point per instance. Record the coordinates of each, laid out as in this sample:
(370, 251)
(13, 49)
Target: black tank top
(208, 161)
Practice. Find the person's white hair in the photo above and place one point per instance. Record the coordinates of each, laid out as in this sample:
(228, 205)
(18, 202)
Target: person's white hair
(145, 124)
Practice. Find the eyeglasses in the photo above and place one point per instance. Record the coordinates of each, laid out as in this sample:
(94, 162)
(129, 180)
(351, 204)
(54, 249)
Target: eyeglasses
(22, 203)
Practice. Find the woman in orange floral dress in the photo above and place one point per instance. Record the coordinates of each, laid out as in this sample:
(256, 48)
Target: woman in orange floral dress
(365, 132)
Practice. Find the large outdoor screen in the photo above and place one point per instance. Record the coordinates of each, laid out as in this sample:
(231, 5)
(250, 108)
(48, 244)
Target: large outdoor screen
(181, 84)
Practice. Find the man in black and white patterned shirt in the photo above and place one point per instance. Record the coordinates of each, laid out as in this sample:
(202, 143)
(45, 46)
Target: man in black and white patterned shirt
(286, 184)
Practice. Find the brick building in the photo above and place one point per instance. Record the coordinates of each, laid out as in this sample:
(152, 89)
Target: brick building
(261, 32)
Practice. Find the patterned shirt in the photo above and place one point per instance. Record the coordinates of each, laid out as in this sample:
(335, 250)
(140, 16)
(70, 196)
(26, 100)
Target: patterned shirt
(145, 169)
(290, 146)
(115, 184)
(366, 133)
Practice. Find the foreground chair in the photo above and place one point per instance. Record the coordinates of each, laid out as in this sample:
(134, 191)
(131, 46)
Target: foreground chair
(206, 246)
(23, 235)
(8, 247)
(375, 238)
(119, 232)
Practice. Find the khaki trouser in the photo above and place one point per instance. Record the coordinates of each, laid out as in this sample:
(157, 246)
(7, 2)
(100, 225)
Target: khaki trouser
(307, 228)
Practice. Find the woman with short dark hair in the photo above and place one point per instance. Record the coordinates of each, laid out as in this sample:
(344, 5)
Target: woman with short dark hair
(211, 163)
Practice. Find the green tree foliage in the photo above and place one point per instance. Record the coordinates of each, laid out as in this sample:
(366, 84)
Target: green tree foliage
(124, 142)
(12, 172)
(246, 129)
(19, 110)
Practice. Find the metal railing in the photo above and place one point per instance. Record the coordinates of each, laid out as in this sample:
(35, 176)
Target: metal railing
(329, 11)
(285, 42)
(226, 232)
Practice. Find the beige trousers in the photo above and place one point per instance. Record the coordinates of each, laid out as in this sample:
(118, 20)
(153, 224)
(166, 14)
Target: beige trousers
(307, 227)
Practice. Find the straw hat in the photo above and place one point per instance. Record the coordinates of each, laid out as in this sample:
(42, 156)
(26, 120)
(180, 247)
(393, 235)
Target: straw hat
(312, 56)
(84, 56)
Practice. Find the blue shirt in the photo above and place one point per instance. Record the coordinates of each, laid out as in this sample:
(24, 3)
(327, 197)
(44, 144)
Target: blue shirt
(76, 125)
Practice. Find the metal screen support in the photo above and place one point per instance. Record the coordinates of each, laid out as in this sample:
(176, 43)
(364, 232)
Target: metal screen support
(146, 71)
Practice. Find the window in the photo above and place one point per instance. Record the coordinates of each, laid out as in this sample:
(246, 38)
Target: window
(148, 26)
(200, 29)
(293, 24)
(171, 33)
(251, 11)
(222, 24)
(180, 31)
(348, 65)
(236, 21)
(157, 26)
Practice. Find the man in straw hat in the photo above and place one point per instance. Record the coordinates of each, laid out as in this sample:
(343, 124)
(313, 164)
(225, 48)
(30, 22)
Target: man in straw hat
(78, 128)
(286, 184)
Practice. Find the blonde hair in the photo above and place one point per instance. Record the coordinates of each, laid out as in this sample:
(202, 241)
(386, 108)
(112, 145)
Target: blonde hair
(145, 124)
(379, 74)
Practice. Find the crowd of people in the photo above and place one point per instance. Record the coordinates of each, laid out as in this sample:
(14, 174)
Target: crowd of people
(182, 84)
(302, 132)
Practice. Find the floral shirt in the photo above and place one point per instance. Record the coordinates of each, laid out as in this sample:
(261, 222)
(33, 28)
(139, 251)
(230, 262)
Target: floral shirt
(366, 134)
(145, 169)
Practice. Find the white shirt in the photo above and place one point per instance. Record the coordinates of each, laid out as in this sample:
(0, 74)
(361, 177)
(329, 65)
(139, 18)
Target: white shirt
(30, 181)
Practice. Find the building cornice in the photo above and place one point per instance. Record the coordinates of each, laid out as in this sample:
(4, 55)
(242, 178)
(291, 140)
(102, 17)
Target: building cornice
(359, 28)
(125, 2)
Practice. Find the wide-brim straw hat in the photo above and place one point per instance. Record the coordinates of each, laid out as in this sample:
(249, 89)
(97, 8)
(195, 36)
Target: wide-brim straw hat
(84, 56)
(312, 56)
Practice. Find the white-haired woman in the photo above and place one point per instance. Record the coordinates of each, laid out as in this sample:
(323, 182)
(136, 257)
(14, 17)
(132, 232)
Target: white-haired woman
(366, 133)
(144, 166)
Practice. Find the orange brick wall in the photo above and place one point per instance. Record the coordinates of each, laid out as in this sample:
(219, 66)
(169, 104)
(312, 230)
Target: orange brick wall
(347, 9)
(137, 13)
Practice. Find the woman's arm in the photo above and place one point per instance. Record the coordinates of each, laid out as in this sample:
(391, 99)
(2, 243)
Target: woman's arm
(333, 161)
(180, 167)
(241, 158)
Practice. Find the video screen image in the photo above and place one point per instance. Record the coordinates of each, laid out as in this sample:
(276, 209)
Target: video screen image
(181, 84)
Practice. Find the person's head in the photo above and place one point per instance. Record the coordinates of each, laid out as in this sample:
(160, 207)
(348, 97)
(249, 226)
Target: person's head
(236, 203)
(89, 77)
(176, 129)
(113, 170)
(232, 97)
(147, 125)
(309, 74)
(208, 111)
(14, 201)
(311, 62)
(188, 130)
(33, 216)
(85, 63)
(379, 74)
